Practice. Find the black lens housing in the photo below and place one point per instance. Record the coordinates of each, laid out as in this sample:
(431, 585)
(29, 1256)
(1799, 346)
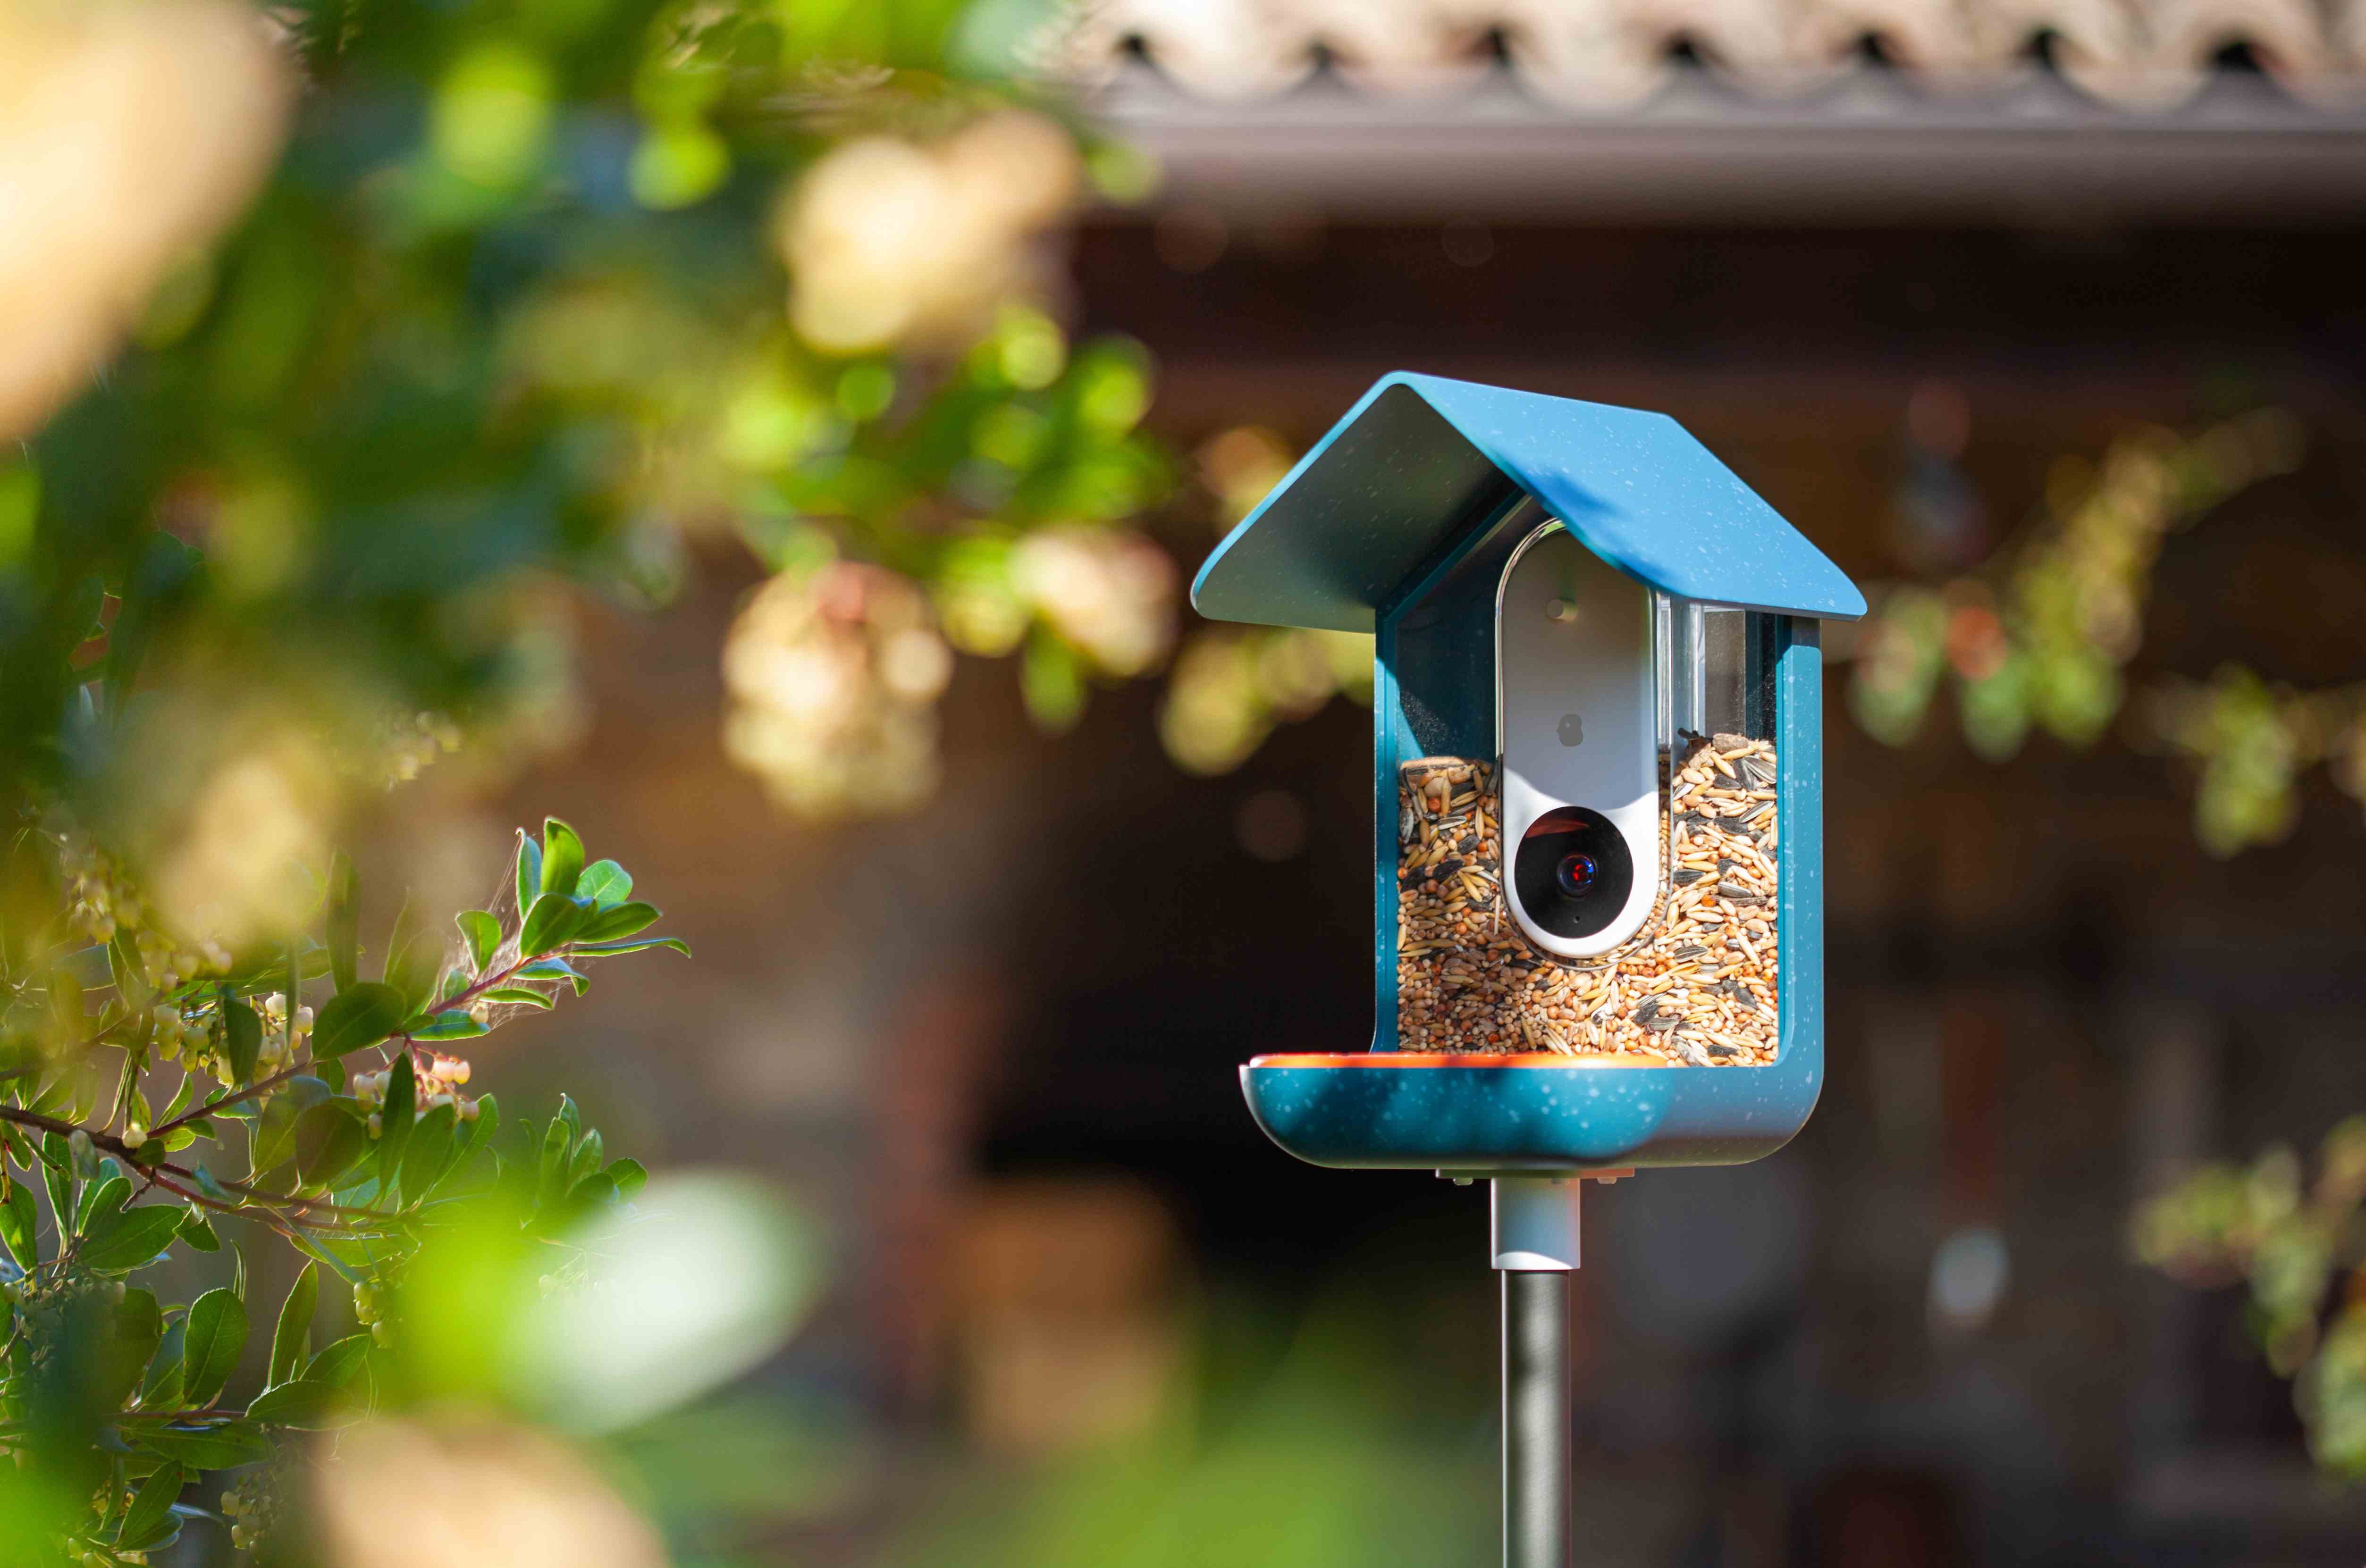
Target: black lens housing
(1548, 871)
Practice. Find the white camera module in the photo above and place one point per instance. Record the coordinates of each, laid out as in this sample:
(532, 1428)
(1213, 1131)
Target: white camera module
(1577, 721)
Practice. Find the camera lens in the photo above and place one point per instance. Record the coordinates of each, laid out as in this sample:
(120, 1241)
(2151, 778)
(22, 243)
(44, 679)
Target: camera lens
(1572, 872)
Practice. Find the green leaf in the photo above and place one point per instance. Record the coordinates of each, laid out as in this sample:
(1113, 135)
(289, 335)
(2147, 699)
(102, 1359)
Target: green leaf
(411, 960)
(211, 1185)
(429, 1155)
(330, 1139)
(394, 1117)
(529, 871)
(629, 1176)
(130, 1238)
(344, 928)
(202, 1448)
(606, 883)
(552, 1181)
(102, 1202)
(630, 945)
(357, 1018)
(291, 983)
(518, 995)
(211, 1345)
(398, 937)
(57, 1175)
(19, 1222)
(484, 936)
(551, 968)
(291, 1340)
(66, 1003)
(452, 1024)
(273, 1139)
(301, 1402)
(562, 857)
(477, 1134)
(304, 1242)
(597, 1190)
(554, 918)
(161, 1389)
(586, 1158)
(622, 921)
(243, 1040)
(125, 1351)
(149, 1520)
(198, 1232)
(335, 1366)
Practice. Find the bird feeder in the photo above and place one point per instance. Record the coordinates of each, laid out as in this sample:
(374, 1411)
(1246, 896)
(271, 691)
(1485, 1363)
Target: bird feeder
(1597, 781)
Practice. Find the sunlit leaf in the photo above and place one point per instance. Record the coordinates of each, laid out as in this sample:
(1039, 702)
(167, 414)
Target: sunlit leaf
(529, 871)
(606, 883)
(394, 1117)
(562, 857)
(300, 1403)
(621, 921)
(148, 1521)
(129, 1239)
(19, 1222)
(202, 1448)
(330, 1139)
(483, 933)
(291, 1338)
(356, 1018)
(629, 945)
(427, 1152)
(449, 1025)
(198, 1233)
(335, 1366)
(211, 1344)
(629, 1177)
(102, 1202)
(243, 1040)
(344, 924)
(554, 918)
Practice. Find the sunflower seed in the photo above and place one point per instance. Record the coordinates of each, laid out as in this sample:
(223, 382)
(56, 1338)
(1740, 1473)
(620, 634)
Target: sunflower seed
(1470, 980)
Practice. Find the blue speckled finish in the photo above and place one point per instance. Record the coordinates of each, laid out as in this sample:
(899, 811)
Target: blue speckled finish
(1375, 1112)
(1421, 459)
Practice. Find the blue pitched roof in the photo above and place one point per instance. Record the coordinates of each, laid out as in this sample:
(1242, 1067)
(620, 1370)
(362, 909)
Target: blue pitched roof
(1420, 459)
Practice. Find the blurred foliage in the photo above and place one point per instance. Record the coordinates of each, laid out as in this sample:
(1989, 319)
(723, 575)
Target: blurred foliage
(1332, 1449)
(2300, 1249)
(168, 1101)
(343, 340)
(543, 286)
(2040, 637)
(1232, 685)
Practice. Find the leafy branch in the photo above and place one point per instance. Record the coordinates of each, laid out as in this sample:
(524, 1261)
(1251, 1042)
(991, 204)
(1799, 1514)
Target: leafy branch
(355, 1171)
(2041, 634)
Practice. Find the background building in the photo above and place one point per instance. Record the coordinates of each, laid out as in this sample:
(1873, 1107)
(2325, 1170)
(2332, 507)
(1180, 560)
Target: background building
(1895, 264)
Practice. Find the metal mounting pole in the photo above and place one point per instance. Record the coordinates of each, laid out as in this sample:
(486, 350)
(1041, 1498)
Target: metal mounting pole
(1535, 1246)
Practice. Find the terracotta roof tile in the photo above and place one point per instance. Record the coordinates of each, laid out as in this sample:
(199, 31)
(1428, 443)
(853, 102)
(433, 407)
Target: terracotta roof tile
(2138, 55)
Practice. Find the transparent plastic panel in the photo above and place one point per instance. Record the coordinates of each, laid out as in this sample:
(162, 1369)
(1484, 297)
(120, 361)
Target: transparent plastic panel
(1697, 984)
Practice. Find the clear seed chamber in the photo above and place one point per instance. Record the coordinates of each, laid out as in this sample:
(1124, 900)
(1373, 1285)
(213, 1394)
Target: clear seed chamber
(1684, 969)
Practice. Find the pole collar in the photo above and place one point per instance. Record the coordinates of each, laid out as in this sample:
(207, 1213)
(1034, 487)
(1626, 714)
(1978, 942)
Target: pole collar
(1533, 1227)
